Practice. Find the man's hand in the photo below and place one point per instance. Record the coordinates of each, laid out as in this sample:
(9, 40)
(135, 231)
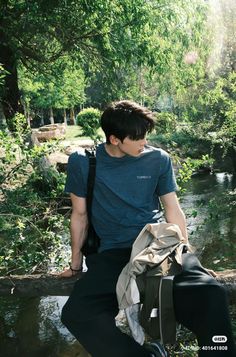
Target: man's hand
(75, 268)
(68, 273)
(212, 272)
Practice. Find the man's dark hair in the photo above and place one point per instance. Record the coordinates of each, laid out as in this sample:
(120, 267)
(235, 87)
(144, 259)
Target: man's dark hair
(126, 119)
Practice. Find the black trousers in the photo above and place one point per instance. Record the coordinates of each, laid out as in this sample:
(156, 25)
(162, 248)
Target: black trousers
(200, 304)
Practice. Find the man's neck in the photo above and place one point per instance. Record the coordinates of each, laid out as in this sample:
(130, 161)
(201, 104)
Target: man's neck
(113, 151)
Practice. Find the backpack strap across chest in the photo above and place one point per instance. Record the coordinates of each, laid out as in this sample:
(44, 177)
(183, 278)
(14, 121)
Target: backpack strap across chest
(92, 242)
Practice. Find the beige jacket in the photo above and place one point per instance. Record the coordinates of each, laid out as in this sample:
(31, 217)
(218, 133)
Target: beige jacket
(150, 273)
(154, 243)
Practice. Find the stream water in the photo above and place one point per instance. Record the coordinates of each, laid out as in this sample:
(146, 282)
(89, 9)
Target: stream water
(31, 327)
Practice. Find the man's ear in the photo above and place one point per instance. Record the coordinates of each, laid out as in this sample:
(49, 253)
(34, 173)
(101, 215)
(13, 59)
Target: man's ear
(114, 140)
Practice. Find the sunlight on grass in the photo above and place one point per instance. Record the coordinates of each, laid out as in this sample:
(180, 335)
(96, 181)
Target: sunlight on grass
(74, 132)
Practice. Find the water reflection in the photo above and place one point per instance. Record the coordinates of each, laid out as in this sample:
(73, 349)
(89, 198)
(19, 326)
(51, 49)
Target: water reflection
(224, 178)
(32, 328)
(211, 222)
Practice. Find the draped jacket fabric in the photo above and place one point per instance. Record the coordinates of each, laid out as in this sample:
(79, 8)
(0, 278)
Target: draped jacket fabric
(152, 246)
(148, 278)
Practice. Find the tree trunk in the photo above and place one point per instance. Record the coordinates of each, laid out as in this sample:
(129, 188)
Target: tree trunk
(11, 96)
(51, 116)
(42, 118)
(3, 122)
(44, 285)
(72, 116)
(232, 153)
(27, 114)
(64, 116)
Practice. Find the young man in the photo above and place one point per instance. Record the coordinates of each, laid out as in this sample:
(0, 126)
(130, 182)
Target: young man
(132, 181)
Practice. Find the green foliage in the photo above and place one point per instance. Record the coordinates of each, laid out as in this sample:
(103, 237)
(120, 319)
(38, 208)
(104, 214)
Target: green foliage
(89, 120)
(188, 149)
(211, 109)
(96, 35)
(32, 230)
(17, 156)
(21, 127)
(224, 106)
(2, 76)
(188, 166)
(125, 50)
(185, 141)
(62, 85)
(172, 31)
(155, 53)
(219, 253)
(165, 122)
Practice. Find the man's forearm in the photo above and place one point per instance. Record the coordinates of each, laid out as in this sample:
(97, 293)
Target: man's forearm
(174, 213)
(178, 217)
(78, 230)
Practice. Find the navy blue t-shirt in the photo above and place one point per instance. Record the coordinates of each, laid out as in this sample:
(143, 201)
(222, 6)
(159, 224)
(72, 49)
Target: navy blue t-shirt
(126, 191)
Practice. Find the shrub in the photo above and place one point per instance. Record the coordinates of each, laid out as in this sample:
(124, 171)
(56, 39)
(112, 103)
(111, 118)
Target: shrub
(165, 122)
(89, 121)
(32, 228)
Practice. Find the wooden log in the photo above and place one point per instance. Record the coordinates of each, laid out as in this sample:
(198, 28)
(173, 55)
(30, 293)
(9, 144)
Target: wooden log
(36, 285)
(52, 285)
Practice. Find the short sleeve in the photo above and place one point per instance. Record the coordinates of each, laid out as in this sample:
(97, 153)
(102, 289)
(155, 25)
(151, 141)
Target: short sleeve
(167, 181)
(76, 175)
